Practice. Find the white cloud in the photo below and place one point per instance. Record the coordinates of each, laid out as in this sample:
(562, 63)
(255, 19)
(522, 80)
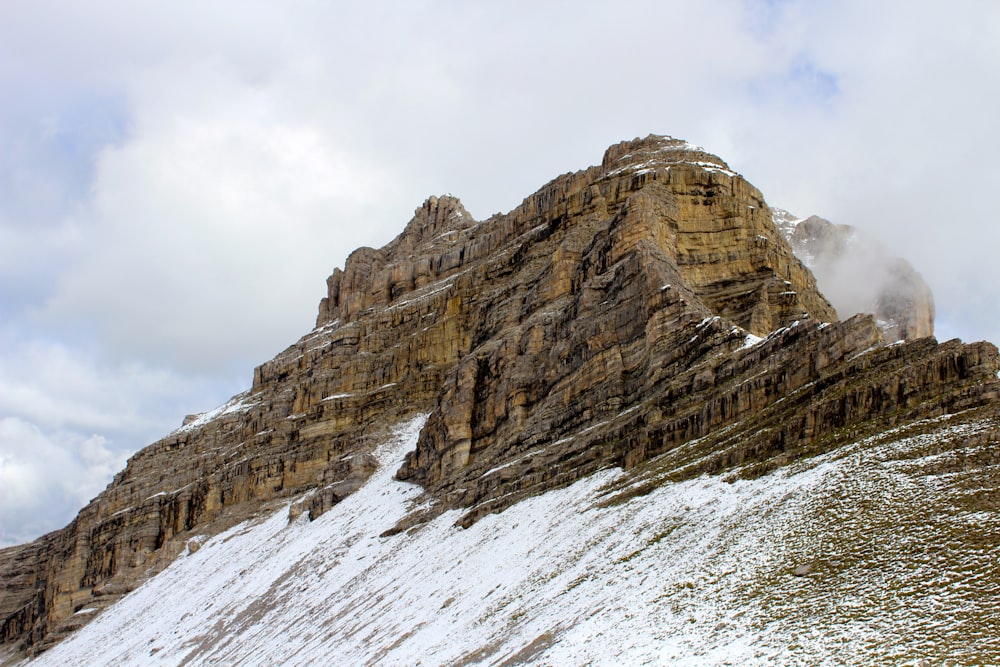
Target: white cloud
(905, 150)
(208, 217)
(66, 386)
(69, 419)
(46, 477)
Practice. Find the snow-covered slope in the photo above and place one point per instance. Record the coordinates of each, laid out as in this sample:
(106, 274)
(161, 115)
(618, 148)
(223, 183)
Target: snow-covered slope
(703, 572)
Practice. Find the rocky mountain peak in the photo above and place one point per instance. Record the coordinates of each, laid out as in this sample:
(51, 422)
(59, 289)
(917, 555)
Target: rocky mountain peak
(657, 151)
(646, 316)
(374, 277)
(434, 220)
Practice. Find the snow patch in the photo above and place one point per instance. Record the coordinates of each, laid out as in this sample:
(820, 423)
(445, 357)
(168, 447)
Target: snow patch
(238, 403)
(710, 166)
(675, 575)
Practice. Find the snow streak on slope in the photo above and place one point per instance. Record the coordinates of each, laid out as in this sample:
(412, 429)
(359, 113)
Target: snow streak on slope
(694, 573)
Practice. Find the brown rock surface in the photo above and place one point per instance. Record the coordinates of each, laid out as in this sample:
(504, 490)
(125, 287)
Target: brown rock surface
(858, 274)
(612, 319)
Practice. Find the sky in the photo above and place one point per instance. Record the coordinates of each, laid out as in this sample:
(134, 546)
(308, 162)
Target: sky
(178, 179)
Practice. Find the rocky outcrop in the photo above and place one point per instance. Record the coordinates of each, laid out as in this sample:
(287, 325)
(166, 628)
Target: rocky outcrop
(644, 308)
(858, 274)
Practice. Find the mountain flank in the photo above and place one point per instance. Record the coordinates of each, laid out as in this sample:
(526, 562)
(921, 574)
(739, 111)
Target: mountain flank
(645, 316)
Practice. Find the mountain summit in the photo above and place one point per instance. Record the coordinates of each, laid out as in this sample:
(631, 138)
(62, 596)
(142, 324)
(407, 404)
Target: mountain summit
(617, 424)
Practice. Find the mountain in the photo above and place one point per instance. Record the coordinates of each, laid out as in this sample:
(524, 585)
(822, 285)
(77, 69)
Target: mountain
(617, 424)
(859, 274)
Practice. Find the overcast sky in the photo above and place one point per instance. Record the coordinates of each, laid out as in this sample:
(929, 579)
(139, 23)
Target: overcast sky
(177, 179)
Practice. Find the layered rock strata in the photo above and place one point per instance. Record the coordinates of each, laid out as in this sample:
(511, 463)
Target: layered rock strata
(644, 308)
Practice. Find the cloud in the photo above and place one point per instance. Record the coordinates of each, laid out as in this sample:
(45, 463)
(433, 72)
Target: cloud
(904, 151)
(220, 207)
(46, 477)
(66, 386)
(69, 419)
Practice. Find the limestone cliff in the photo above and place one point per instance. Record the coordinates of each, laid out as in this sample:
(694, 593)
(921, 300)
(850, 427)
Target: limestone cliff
(643, 310)
(859, 274)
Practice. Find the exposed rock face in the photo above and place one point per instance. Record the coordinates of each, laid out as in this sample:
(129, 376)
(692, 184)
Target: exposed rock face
(614, 317)
(858, 275)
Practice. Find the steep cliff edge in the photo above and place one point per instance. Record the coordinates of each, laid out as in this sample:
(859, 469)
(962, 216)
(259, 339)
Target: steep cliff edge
(644, 308)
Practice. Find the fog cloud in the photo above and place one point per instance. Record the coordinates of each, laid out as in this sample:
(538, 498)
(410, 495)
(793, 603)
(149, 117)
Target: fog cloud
(45, 477)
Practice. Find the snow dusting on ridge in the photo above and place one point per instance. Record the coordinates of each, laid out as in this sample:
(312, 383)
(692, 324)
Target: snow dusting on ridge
(238, 403)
